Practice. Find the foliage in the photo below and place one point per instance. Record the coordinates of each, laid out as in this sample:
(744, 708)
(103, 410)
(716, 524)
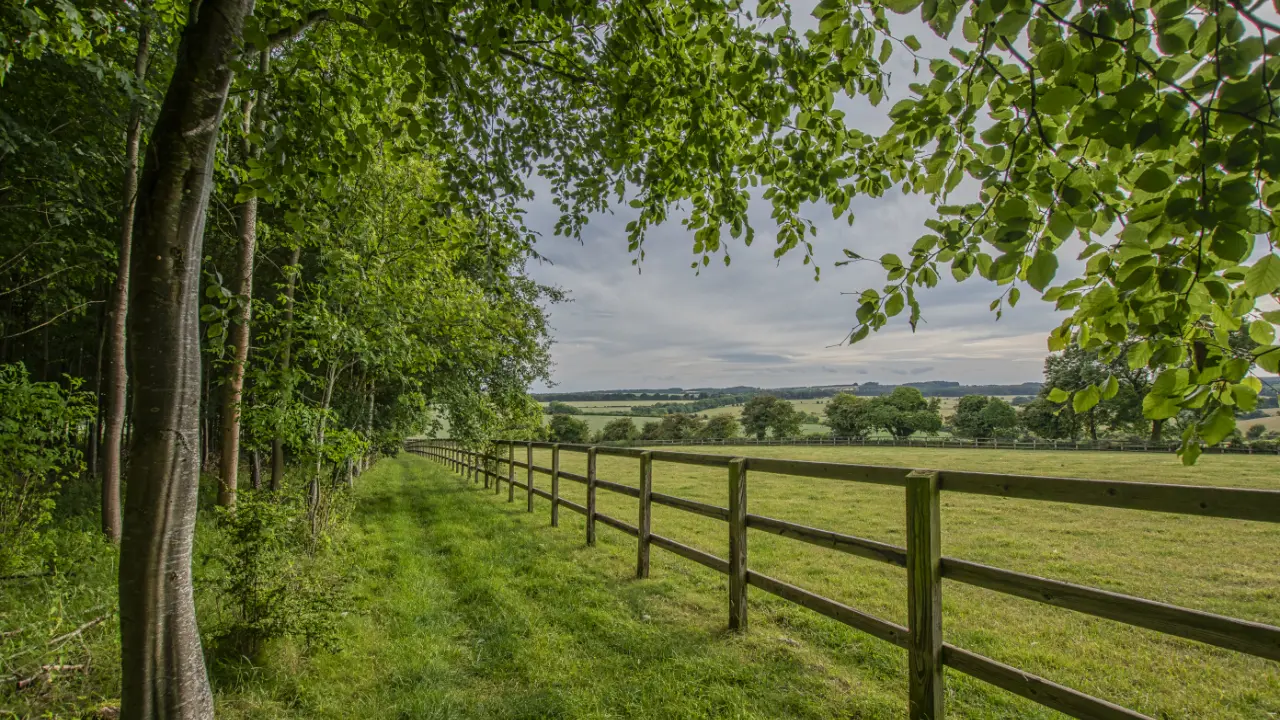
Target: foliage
(620, 430)
(38, 422)
(849, 416)
(719, 427)
(904, 412)
(1256, 431)
(568, 429)
(266, 578)
(979, 416)
(763, 413)
(559, 408)
(1140, 135)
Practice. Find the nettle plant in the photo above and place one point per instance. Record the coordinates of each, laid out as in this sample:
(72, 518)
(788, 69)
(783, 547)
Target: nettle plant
(1142, 137)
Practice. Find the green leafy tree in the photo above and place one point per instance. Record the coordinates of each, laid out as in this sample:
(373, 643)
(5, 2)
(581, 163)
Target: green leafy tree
(764, 413)
(1256, 431)
(849, 415)
(980, 416)
(622, 429)
(569, 429)
(904, 412)
(719, 427)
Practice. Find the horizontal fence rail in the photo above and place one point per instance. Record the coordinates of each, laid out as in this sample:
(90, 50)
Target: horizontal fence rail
(1247, 447)
(922, 559)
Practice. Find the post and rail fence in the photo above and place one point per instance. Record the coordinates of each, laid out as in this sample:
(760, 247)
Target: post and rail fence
(1261, 447)
(926, 567)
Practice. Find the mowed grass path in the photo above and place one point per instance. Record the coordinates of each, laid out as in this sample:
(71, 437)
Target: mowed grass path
(1224, 566)
(472, 608)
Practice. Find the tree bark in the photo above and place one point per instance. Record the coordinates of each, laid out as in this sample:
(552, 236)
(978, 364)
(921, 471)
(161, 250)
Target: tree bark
(117, 374)
(163, 673)
(368, 432)
(1157, 430)
(233, 391)
(277, 443)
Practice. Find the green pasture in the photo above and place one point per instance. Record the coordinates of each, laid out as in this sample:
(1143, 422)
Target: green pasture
(1222, 566)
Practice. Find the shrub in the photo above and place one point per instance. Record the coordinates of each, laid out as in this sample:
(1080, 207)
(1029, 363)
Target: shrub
(39, 424)
(568, 429)
(272, 587)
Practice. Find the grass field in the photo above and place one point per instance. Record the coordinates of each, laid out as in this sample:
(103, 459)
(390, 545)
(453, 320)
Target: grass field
(615, 404)
(1222, 566)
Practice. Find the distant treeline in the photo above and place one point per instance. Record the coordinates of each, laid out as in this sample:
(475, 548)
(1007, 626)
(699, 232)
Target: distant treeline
(617, 396)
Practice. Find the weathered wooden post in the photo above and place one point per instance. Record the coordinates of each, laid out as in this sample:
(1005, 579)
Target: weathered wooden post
(555, 485)
(511, 471)
(591, 496)
(646, 494)
(738, 544)
(924, 596)
(530, 477)
(497, 475)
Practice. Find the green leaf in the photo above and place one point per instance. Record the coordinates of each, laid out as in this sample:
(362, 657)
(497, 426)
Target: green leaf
(912, 43)
(902, 7)
(1042, 269)
(1159, 407)
(1264, 277)
(1218, 425)
(1112, 387)
(894, 304)
(1058, 395)
(1154, 180)
(1262, 332)
(1058, 100)
(1268, 358)
(1189, 452)
(1085, 399)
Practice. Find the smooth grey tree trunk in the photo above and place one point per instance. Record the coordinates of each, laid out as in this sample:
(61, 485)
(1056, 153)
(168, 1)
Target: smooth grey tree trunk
(117, 375)
(163, 673)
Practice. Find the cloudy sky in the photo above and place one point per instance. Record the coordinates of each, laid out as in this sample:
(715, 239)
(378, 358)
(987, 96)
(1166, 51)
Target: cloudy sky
(765, 322)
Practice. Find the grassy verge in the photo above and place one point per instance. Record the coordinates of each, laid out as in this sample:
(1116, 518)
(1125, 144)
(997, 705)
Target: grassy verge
(469, 608)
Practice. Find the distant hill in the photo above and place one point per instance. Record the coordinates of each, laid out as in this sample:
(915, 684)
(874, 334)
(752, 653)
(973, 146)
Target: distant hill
(930, 388)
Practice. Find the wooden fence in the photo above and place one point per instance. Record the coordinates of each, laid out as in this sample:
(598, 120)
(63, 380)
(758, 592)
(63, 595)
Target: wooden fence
(921, 558)
(1265, 447)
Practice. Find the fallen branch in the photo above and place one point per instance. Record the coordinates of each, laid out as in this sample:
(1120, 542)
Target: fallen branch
(10, 633)
(45, 672)
(63, 638)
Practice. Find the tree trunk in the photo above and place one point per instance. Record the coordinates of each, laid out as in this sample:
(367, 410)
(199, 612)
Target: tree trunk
(368, 432)
(229, 465)
(313, 493)
(117, 375)
(255, 469)
(277, 443)
(163, 673)
(1157, 431)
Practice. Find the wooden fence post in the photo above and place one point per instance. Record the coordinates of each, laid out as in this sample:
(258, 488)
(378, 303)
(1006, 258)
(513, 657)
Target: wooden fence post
(497, 475)
(487, 471)
(924, 596)
(646, 493)
(529, 478)
(511, 471)
(738, 545)
(591, 496)
(555, 485)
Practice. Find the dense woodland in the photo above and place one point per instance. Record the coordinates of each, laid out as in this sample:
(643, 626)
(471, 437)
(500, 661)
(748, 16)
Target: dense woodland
(261, 243)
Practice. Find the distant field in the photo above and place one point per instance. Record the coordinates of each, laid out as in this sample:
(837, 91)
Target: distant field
(1270, 423)
(1221, 566)
(615, 404)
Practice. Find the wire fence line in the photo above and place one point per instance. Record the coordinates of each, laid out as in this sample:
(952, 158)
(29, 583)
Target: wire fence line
(921, 558)
(1261, 447)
